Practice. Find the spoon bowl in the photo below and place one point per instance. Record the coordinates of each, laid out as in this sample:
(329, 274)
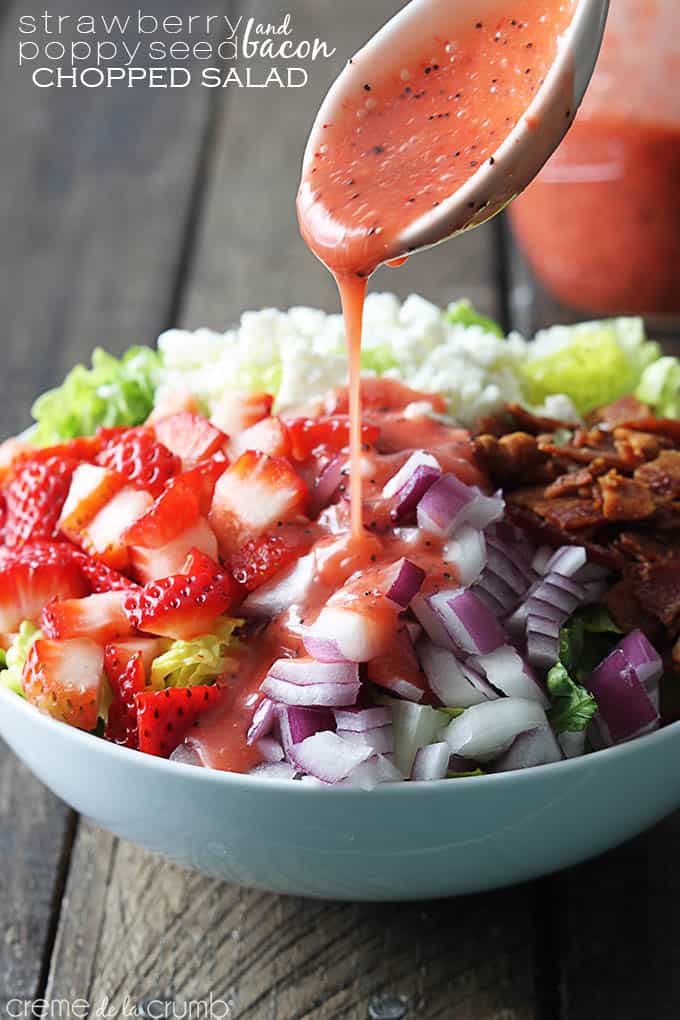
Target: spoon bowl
(403, 41)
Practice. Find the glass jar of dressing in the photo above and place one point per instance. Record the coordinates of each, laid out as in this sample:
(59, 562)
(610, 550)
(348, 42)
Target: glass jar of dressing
(600, 225)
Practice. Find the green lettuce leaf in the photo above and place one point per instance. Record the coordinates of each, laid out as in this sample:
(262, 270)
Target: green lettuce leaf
(187, 663)
(16, 656)
(572, 705)
(113, 392)
(585, 640)
(593, 363)
(461, 313)
(660, 387)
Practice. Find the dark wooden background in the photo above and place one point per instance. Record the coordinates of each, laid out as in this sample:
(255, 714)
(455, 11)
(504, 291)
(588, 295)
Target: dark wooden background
(125, 211)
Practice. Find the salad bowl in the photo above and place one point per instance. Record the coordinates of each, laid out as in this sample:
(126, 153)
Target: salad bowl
(396, 842)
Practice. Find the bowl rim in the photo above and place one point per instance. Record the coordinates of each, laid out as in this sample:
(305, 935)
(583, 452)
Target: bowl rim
(250, 782)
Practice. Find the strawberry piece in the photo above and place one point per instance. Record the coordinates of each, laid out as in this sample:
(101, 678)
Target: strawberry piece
(201, 480)
(119, 653)
(238, 410)
(175, 510)
(33, 575)
(252, 496)
(64, 680)
(101, 577)
(103, 536)
(261, 558)
(183, 605)
(191, 437)
(91, 489)
(99, 617)
(267, 436)
(83, 448)
(35, 497)
(141, 459)
(309, 435)
(165, 717)
(173, 401)
(126, 679)
(149, 564)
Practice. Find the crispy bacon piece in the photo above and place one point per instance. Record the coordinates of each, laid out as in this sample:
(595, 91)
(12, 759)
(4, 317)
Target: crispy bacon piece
(512, 459)
(570, 484)
(662, 475)
(625, 409)
(625, 499)
(657, 589)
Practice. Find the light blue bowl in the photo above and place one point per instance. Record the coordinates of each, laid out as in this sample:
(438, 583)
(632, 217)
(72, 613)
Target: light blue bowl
(397, 842)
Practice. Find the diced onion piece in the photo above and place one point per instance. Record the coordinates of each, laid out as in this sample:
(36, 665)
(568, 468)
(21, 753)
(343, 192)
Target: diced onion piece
(466, 550)
(446, 677)
(505, 567)
(490, 584)
(470, 624)
(431, 762)
(645, 659)
(359, 637)
(506, 670)
(418, 459)
(484, 731)
(328, 484)
(543, 641)
(264, 718)
(309, 671)
(380, 739)
(288, 588)
(405, 581)
(296, 724)
(321, 648)
(372, 772)
(450, 503)
(534, 747)
(542, 558)
(275, 770)
(414, 726)
(185, 754)
(270, 749)
(431, 621)
(625, 709)
(360, 719)
(567, 560)
(311, 695)
(327, 756)
(572, 744)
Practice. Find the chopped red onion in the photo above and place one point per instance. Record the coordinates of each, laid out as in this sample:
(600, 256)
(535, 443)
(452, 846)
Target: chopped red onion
(410, 484)
(431, 762)
(519, 554)
(329, 482)
(431, 621)
(553, 597)
(327, 756)
(399, 672)
(449, 503)
(594, 591)
(372, 772)
(446, 677)
(533, 747)
(543, 641)
(311, 695)
(264, 718)
(322, 649)
(484, 731)
(361, 719)
(308, 671)
(505, 567)
(567, 560)
(418, 459)
(414, 726)
(572, 743)
(413, 629)
(466, 550)
(288, 588)
(380, 739)
(501, 593)
(270, 749)
(403, 582)
(359, 637)
(646, 661)
(542, 558)
(489, 600)
(296, 724)
(471, 626)
(505, 670)
(625, 709)
(274, 770)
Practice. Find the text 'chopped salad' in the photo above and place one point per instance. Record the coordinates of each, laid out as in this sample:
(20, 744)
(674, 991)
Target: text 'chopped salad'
(178, 576)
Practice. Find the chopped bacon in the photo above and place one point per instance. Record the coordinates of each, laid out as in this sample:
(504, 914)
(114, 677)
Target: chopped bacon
(625, 499)
(625, 409)
(570, 484)
(662, 475)
(657, 589)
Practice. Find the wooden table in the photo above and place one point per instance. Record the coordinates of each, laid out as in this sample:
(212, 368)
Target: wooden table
(125, 211)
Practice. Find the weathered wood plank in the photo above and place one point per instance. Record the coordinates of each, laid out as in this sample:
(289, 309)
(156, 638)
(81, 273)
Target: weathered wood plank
(268, 956)
(97, 191)
(613, 921)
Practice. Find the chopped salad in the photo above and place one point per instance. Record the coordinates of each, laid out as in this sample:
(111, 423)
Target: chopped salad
(178, 577)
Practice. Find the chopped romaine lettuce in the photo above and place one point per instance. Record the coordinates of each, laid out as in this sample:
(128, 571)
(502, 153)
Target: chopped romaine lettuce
(187, 663)
(461, 313)
(660, 387)
(16, 656)
(113, 392)
(593, 363)
(465, 775)
(572, 705)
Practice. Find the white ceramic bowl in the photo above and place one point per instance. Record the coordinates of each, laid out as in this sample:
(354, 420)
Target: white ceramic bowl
(397, 842)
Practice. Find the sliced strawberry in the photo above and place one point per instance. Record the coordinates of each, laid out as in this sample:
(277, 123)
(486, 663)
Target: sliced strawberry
(84, 448)
(261, 558)
(267, 436)
(126, 680)
(64, 680)
(165, 717)
(91, 489)
(101, 578)
(183, 605)
(99, 617)
(11, 452)
(103, 536)
(174, 401)
(252, 496)
(149, 564)
(238, 410)
(329, 435)
(201, 480)
(35, 496)
(191, 437)
(119, 653)
(34, 575)
(141, 459)
(175, 510)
